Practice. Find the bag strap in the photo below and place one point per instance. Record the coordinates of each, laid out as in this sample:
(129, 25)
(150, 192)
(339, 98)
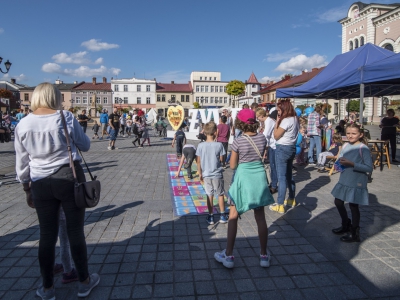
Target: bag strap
(254, 145)
(71, 162)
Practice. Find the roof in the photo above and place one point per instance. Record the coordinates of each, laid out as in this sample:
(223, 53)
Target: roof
(174, 87)
(362, 6)
(67, 86)
(252, 79)
(293, 81)
(89, 86)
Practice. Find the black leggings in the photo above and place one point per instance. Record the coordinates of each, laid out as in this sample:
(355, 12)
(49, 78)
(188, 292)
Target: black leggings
(355, 213)
(392, 139)
(48, 195)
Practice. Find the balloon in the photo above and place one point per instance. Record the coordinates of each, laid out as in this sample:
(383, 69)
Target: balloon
(309, 110)
(298, 111)
(298, 150)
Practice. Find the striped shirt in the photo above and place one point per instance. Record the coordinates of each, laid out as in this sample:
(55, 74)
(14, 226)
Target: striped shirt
(246, 151)
(313, 124)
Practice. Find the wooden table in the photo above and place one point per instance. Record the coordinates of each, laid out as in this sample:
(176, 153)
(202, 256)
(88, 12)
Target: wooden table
(379, 149)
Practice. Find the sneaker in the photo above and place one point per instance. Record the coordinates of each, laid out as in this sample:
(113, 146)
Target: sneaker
(46, 295)
(123, 135)
(58, 268)
(227, 261)
(85, 289)
(70, 277)
(289, 202)
(100, 138)
(311, 164)
(223, 219)
(210, 219)
(109, 148)
(264, 260)
(140, 146)
(277, 208)
(112, 148)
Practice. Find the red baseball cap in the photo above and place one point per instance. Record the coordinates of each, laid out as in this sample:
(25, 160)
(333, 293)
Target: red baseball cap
(247, 116)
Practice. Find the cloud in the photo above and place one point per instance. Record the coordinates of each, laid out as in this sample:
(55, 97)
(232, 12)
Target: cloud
(98, 61)
(281, 56)
(96, 45)
(301, 62)
(74, 58)
(1, 30)
(82, 71)
(266, 79)
(166, 77)
(332, 15)
(294, 26)
(18, 78)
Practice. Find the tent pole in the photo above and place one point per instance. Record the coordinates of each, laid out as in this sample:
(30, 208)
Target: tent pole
(361, 102)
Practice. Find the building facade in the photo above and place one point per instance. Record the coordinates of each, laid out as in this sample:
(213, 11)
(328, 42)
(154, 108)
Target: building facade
(173, 93)
(92, 96)
(13, 102)
(251, 93)
(378, 24)
(208, 89)
(134, 93)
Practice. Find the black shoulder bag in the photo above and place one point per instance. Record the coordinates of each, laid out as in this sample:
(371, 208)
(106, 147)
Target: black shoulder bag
(87, 194)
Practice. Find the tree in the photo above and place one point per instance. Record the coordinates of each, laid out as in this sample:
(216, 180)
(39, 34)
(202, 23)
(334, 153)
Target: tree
(196, 104)
(235, 88)
(5, 94)
(99, 108)
(354, 105)
(326, 108)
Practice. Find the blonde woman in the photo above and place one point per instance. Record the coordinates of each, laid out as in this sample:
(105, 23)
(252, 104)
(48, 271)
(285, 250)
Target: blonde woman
(42, 166)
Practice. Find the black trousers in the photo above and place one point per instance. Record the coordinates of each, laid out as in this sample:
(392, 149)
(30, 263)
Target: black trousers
(48, 195)
(392, 139)
(225, 144)
(190, 154)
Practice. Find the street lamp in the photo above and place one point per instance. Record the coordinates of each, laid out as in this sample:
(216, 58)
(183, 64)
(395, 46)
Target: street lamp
(7, 64)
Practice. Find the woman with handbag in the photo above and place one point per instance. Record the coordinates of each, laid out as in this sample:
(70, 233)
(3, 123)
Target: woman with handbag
(246, 159)
(285, 133)
(43, 167)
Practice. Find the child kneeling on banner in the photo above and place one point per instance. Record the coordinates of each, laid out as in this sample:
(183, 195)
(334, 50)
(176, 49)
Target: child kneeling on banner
(210, 156)
(243, 195)
(189, 153)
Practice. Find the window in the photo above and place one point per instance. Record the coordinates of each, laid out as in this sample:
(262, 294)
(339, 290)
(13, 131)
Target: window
(202, 88)
(221, 89)
(163, 98)
(206, 100)
(212, 89)
(105, 100)
(215, 78)
(220, 99)
(125, 87)
(356, 43)
(225, 99)
(91, 93)
(105, 93)
(336, 109)
(62, 97)
(98, 100)
(77, 92)
(84, 100)
(225, 88)
(206, 88)
(388, 47)
(26, 97)
(182, 98)
(139, 99)
(125, 100)
(361, 41)
(211, 99)
(148, 100)
(173, 98)
(138, 88)
(78, 100)
(351, 46)
(216, 89)
(197, 88)
(116, 100)
(148, 88)
(158, 98)
(187, 98)
(201, 78)
(116, 88)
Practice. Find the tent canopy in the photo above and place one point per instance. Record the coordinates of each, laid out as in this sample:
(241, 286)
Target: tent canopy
(373, 66)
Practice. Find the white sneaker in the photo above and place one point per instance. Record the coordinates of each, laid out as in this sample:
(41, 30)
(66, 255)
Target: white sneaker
(109, 148)
(227, 261)
(264, 260)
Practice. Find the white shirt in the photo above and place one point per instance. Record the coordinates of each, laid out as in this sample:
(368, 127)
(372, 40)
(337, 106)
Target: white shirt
(269, 124)
(41, 146)
(291, 126)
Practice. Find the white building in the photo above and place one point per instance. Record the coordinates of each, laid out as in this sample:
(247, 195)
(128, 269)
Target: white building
(208, 89)
(251, 94)
(134, 92)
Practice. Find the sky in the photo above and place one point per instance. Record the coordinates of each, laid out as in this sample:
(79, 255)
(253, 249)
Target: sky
(76, 40)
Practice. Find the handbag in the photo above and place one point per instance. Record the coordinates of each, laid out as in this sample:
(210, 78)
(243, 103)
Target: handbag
(87, 194)
(266, 167)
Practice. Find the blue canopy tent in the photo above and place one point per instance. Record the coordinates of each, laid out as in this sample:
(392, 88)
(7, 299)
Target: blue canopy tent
(355, 74)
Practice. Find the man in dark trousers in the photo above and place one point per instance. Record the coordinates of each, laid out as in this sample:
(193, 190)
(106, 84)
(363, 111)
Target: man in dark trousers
(113, 121)
(83, 119)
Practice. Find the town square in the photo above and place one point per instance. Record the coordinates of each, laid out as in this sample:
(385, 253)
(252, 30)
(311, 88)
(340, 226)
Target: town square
(274, 179)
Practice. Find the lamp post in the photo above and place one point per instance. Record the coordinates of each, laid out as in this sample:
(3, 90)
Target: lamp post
(7, 64)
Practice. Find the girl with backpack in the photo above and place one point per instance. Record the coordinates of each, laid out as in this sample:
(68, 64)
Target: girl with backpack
(355, 162)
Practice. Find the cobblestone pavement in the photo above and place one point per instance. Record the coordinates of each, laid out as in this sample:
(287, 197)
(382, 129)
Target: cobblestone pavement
(141, 250)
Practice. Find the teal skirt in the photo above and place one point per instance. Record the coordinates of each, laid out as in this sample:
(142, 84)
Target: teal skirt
(249, 189)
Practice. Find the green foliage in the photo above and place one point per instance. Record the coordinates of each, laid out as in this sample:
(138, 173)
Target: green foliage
(125, 110)
(196, 104)
(326, 108)
(75, 109)
(235, 88)
(99, 108)
(354, 106)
